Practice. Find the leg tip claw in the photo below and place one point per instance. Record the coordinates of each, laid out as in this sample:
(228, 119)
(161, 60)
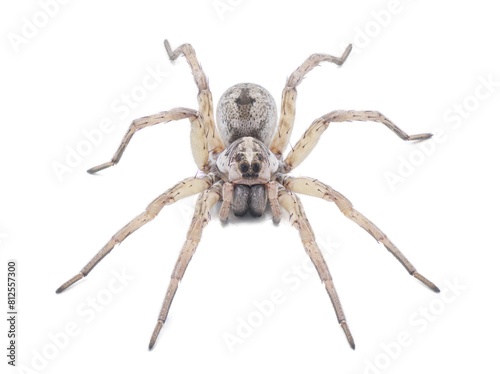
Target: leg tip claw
(348, 334)
(97, 168)
(346, 53)
(417, 137)
(156, 332)
(73, 280)
(427, 282)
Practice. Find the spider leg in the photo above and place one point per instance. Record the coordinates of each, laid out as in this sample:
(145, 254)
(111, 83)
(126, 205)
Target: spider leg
(311, 137)
(313, 187)
(200, 219)
(205, 101)
(289, 96)
(291, 203)
(199, 146)
(187, 187)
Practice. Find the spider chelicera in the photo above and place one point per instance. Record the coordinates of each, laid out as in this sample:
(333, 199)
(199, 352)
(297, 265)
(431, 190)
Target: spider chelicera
(242, 164)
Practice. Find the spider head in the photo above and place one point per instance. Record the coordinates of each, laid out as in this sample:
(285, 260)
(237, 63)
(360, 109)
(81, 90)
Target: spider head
(247, 161)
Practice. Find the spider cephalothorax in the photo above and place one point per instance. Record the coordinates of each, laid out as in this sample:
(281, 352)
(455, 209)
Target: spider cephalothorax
(247, 161)
(247, 167)
(242, 157)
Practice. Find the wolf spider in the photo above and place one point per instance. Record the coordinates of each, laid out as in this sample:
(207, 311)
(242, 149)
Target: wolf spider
(243, 166)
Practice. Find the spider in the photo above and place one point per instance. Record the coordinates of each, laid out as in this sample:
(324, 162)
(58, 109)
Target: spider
(243, 167)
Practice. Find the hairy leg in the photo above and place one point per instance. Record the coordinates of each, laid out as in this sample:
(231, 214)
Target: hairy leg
(199, 140)
(205, 101)
(289, 96)
(291, 203)
(312, 135)
(187, 187)
(200, 219)
(313, 187)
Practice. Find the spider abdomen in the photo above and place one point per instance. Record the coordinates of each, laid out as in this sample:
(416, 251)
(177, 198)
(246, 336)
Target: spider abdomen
(246, 109)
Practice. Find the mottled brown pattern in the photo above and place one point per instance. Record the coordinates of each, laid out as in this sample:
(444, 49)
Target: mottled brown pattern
(246, 109)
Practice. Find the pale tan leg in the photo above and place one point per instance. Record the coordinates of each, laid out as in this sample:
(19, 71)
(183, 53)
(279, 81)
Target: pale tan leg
(199, 141)
(187, 187)
(289, 95)
(311, 137)
(204, 95)
(292, 205)
(200, 219)
(313, 187)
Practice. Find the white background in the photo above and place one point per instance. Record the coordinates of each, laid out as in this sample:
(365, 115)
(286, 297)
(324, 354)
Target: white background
(418, 65)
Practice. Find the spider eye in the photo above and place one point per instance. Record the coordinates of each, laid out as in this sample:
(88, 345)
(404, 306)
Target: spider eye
(244, 167)
(255, 167)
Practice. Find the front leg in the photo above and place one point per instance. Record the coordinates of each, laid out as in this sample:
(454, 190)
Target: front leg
(289, 96)
(205, 100)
